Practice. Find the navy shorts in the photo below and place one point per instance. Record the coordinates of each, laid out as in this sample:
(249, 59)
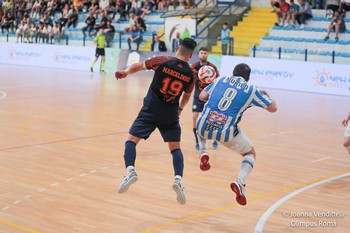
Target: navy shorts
(197, 105)
(147, 121)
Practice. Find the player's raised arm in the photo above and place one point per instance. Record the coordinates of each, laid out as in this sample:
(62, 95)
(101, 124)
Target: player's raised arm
(273, 106)
(136, 67)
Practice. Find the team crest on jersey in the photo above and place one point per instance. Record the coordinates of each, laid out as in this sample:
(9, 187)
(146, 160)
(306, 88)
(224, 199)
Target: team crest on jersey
(215, 120)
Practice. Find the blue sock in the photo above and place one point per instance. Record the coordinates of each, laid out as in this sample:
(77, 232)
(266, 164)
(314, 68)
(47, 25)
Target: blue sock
(130, 153)
(195, 134)
(178, 162)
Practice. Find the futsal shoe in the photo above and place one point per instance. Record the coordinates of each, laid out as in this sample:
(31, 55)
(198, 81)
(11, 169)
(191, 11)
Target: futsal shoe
(204, 165)
(128, 180)
(239, 189)
(214, 145)
(179, 189)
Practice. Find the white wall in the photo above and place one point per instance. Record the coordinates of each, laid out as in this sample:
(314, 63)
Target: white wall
(260, 3)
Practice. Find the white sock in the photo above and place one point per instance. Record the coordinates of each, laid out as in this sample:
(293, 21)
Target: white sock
(246, 167)
(202, 143)
(178, 177)
(130, 169)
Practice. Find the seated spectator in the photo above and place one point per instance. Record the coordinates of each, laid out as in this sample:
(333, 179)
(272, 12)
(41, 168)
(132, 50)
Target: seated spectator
(103, 23)
(90, 23)
(158, 45)
(283, 14)
(331, 7)
(65, 12)
(136, 6)
(131, 21)
(109, 32)
(344, 6)
(140, 23)
(7, 23)
(275, 4)
(36, 9)
(304, 13)
(147, 8)
(32, 32)
(73, 19)
(58, 33)
(46, 33)
(121, 9)
(135, 37)
(22, 30)
(337, 24)
(293, 11)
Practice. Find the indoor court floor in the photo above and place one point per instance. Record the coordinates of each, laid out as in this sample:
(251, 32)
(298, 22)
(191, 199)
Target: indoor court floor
(61, 160)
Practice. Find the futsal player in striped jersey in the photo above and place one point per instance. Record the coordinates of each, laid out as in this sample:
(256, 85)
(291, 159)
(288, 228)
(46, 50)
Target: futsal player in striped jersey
(226, 100)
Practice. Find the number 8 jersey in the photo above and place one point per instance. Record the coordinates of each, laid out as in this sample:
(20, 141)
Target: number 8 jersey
(229, 97)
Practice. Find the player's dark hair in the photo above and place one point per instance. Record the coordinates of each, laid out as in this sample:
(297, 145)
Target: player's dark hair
(242, 70)
(187, 46)
(203, 49)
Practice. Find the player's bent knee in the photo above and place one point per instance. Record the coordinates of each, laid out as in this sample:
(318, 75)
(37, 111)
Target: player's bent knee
(347, 143)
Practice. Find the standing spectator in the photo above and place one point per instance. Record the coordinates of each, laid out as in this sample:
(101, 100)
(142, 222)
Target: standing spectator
(225, 38)
(226, 100)
(135, 37)
(109, 33)
(337, 24)
(158, 45)
(293, 11)
(345, 123)
(90, 23)
(100, 41)
(304, 13)
(166, 98)
(176, 41)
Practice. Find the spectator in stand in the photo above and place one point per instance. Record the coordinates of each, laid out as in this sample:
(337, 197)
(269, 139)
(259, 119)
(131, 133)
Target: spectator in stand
(36, 8)
(337, 24)
(21, 30)
(8, 23)
(140, 23)
(86, 5)
(275, 4)
(176, 42)
(47, 19)
(135, 37)
(112, 9)
(131, 22)
(121, 9)
(58, 33)
(225, 38)
(40, 35)
(73, 18)
(283, 14)
(65, 12)
(90, 23)
(293, 10)
(304, 13)
(331, 7)
(136, 6)
(32, 32)
(147, 8)
(344, 6)
(47, 33)
(109, 33)
(158, 45)
(103, 23)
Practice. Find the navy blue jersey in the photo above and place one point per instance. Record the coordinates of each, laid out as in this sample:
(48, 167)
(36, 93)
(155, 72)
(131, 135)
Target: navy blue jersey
(172, 77)
(199, 85)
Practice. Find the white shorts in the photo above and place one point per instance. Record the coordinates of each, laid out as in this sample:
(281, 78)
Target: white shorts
(241, 143)
(347, 131)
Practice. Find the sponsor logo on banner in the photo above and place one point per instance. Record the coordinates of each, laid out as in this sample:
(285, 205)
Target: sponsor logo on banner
(17, 54)
(328, 79)
(66, 58)
(270, 75)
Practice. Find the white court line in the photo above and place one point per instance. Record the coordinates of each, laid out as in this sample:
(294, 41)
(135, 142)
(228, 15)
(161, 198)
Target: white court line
(319, 160)
(2, 95)
(260, 225)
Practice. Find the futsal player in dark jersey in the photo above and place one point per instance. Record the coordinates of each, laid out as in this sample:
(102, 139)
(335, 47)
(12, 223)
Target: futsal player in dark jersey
(167, 95)
(197, 106)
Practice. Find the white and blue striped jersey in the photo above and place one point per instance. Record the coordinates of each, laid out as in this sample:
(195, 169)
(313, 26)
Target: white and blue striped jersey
(229, 97)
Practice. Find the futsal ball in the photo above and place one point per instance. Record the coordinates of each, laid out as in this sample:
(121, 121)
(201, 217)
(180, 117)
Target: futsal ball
(206, 74)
